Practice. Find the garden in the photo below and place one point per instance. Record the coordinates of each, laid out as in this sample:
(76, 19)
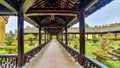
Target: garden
(11, 44)
(98, 48)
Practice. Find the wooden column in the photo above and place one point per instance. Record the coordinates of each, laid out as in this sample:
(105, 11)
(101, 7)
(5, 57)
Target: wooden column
(81, 19)
(66, 36)
(20, 39)
(50, 37)
(57, 37)
(40, 35)
(45, 35)
(115, 35)
(101, 35)
(62, 35)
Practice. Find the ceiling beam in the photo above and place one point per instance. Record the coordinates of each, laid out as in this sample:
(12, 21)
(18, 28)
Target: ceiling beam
(26, 4)
(74, 19)
(51, 11)
(44, 14)
(31, 21)
(7, 5)
(91, 4)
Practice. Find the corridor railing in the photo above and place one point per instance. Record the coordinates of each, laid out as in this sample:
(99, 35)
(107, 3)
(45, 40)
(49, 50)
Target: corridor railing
(88, 62)
(8, 61)
(11, 60)
(31, 53)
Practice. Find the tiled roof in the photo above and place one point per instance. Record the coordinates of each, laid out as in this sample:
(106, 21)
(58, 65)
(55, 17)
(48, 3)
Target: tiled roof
(106, 29)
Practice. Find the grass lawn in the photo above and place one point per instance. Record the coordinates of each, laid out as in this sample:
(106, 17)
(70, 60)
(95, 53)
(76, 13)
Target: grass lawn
(90, 47)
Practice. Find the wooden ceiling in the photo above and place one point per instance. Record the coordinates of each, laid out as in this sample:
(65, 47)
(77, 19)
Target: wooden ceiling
(50, 14)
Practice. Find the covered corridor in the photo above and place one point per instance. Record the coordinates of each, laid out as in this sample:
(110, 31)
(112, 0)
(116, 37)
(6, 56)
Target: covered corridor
(52, 56)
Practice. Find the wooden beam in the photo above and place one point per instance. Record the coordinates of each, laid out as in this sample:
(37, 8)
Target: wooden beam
(45, 14)
(26, 4)
(7, 5)
(7, 13)
(31, 21)
(51, 11)
(74, 19)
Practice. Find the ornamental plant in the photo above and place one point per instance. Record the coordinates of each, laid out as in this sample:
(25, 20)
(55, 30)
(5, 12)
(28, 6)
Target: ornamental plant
(29, 37)
(9, 40)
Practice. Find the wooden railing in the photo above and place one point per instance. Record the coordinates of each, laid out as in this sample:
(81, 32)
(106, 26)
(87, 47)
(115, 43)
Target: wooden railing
(31, 53)
(91, 63)
(74, 53)
(88, 62)
(8, 61)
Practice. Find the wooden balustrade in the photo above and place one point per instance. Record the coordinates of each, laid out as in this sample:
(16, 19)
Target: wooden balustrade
(74, 53)
(8, 61)
(91, 63)
(88, 62)
(32, 52)
(11, 60)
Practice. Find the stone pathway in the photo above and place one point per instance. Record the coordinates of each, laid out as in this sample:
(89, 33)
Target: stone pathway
(52, 56)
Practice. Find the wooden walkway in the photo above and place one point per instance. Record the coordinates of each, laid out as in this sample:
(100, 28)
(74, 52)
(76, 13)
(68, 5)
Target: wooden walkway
(52, 56)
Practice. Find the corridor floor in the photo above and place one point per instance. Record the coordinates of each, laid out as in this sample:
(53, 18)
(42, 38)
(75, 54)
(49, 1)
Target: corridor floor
(52, 56)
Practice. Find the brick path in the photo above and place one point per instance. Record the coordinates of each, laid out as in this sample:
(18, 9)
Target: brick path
(52, 56)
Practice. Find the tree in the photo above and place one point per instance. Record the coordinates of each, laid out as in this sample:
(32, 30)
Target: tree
(86, 25)
(9, 40)
(94, 39)
(30, 38)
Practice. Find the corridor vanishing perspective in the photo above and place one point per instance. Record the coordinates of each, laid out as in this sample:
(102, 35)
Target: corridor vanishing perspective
(52, 56)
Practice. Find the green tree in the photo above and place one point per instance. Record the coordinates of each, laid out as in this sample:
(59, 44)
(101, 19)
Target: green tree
(9, 40)
(29, 37)
(86, 25)
(94, 39)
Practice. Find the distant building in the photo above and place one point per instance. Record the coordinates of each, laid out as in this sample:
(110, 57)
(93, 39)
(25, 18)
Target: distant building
(89, 31)
(3, 22)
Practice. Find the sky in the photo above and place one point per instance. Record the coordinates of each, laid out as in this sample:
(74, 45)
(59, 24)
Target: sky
(106, 15)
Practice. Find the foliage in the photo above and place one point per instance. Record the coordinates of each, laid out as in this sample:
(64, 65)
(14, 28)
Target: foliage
(29, 37)
(89, 49)
(94, 39)
(9, 40)
(3, 52)
(108, 36)
(104, 45)
(86, 25)
(113, 64)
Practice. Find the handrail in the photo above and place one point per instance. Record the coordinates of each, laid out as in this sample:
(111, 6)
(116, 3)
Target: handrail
(32, 52)
(11, 60)
(91, 63)
(8, 61)
(88, 62)
(73, 52)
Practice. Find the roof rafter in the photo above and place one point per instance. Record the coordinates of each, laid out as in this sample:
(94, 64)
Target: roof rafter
(11, 8)
(26, 5)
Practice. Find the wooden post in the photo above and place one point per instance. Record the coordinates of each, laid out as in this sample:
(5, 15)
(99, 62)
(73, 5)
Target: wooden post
(66, 36)
(115, 35)
(45, 35)
(40, 35)
(62, 35)
(81, 16)
(101, 35)
(57, 37)
(20, 39)
(50, 36)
